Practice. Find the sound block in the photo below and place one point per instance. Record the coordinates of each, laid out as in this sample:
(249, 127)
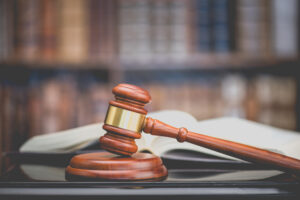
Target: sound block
(110, 167)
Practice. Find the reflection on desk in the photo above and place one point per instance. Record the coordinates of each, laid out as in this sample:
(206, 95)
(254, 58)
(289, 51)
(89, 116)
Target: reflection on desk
(43, 176)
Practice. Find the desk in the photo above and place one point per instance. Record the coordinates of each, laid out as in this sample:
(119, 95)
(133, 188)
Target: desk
(32, 178)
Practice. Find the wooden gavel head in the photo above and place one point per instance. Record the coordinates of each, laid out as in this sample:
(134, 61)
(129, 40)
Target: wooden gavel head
(125, 119)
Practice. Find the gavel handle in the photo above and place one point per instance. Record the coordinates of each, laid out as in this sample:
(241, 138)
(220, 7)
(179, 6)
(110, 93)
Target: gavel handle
(244, 152)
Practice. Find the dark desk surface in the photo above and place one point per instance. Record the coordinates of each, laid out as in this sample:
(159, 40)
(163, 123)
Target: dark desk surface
(36, 176)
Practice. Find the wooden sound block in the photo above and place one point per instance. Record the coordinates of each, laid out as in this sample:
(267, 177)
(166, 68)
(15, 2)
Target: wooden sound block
(110, 167)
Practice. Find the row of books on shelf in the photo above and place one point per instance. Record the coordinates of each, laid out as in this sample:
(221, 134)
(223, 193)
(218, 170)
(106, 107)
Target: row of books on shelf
(267, 99)
(146, 31)
(61, 102)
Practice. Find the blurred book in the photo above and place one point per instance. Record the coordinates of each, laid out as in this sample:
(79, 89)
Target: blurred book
(143, 32)
(253, 37)
(73, 30)
(27, 41)
(49, 28)
(63, 100)
(6, 30)
(285, 23)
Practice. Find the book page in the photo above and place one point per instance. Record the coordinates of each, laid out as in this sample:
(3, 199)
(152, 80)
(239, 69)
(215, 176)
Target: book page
(64, 141)
(253, 134)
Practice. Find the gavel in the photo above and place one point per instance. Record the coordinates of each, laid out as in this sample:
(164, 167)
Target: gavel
(126, 119)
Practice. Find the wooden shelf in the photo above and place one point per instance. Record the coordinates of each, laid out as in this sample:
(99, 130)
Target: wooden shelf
(57, 65)
(197, 62)
(212, 63)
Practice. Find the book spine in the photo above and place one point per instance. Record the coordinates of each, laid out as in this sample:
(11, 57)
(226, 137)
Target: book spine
(2, 34)
(126, 33)
(178, 30)
(95, 34)
(253, 30)
(143, 29)
(276, 98)
(96, 41)
(34, 105)
(160, 30)
(3, 21)
(68, 97)
(21, 130)
(284, 25)
(7, 122)
(58, 101)
(135, 31)
(28, 30)
(73, 30)
(110, 31)
(223, 25)
(48, 29)
(234, 92)
(92, 101)
(6, 27)
(203, 24)
(298, 26)
(232, 24)
(13, 122)
(98, 97)
(191, 28)
(8, 118)
(2, 117)
(50, 100)
(104, 30)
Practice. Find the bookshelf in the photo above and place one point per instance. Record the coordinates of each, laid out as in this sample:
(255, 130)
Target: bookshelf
(59, 60)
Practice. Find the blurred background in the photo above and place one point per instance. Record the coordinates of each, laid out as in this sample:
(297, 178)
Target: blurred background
(59, 60)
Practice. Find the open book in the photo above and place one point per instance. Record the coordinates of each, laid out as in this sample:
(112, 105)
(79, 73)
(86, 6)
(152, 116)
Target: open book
(233, 129)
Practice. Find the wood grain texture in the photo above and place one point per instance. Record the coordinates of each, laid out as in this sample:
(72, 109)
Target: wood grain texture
(131, 93)
(107, 166)
(119, 141)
